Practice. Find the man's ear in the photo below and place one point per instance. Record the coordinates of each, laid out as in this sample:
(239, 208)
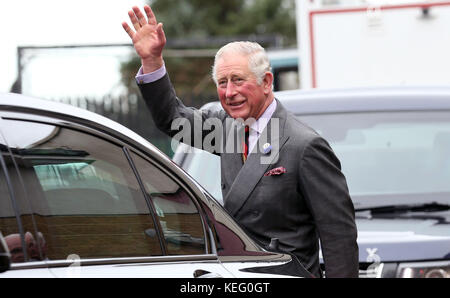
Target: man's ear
(267, 82)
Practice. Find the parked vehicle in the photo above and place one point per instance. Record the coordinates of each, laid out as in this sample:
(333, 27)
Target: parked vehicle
(84, 196)
(394, 148)
(285, 68)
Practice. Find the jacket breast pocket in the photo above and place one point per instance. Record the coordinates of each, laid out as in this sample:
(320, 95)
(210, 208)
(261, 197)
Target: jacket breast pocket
(282, 180)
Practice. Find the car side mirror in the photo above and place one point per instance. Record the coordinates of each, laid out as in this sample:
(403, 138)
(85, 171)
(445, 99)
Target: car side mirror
(5, 256)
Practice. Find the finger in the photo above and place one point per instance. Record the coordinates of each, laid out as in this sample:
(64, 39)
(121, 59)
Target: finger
(134, 20)
(150, 15)
(128, 30)
(141, 19)
(161, 34)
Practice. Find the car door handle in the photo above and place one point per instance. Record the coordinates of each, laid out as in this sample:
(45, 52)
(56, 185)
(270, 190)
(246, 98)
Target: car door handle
(199, 273)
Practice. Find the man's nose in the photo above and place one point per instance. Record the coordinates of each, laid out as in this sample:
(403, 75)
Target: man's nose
(231, 90)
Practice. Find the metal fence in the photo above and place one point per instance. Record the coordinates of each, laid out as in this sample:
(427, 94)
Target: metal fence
(132, 112)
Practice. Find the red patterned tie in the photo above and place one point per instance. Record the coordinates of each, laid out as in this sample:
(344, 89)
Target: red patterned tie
(247, 132)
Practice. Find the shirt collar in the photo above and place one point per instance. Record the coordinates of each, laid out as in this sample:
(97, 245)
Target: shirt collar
(260, 124)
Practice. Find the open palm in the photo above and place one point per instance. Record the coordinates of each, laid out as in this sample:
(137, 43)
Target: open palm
(148, 37)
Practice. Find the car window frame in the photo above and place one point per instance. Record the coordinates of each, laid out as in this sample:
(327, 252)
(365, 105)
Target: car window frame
(109, 135)
(209, 248)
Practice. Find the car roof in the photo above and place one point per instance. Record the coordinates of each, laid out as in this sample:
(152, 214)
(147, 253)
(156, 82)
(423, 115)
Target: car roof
(370, 99)
(19, 102)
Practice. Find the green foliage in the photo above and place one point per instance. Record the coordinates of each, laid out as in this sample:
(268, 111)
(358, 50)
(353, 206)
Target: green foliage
(204, 18)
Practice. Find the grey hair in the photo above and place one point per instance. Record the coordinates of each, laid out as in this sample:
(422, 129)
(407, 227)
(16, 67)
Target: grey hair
(258, 61)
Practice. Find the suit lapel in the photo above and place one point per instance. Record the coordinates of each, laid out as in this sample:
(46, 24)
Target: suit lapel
(257, 163)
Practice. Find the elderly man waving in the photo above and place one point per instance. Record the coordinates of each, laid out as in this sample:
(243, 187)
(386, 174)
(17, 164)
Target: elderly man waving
(298, 194)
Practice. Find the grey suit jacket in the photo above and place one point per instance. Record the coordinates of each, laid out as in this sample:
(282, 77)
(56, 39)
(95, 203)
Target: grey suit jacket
(308, 202)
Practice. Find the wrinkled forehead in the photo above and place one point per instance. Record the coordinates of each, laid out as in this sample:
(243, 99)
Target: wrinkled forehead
(230, 64)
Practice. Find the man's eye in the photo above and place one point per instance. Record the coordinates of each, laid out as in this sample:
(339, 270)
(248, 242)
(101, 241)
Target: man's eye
(222, 83)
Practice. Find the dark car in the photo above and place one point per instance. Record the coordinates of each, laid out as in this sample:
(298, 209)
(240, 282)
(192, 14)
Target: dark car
(394, 148)
(81, 195)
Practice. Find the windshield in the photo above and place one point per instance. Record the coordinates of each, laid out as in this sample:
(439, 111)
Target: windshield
(390, 157)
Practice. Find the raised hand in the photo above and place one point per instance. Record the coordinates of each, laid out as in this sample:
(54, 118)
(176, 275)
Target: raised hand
(148, 38)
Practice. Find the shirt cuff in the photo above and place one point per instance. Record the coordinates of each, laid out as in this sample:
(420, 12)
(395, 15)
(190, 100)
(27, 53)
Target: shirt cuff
(150, 77)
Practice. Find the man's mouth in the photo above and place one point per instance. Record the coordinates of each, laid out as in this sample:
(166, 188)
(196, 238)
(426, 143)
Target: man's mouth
(236, 104)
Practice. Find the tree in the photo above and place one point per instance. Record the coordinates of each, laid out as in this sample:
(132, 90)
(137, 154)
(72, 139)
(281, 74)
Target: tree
(205, 18)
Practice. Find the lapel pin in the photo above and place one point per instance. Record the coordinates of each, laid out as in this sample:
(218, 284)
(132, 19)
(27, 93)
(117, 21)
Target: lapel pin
(266, 148)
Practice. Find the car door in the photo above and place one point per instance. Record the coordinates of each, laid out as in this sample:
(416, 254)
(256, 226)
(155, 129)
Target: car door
(93, 214)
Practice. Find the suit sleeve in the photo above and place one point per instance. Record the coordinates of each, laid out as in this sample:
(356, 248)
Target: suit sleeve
(166, 108)
(325, 189)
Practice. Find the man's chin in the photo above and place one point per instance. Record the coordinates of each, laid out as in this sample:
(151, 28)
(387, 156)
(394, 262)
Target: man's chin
(235, 115)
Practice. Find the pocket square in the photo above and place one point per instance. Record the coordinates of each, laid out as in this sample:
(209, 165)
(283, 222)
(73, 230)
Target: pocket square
(275, 171)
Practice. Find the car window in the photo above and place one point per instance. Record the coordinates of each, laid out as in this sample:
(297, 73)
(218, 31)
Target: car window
(85, 198)
(178, 215)
(387, 155)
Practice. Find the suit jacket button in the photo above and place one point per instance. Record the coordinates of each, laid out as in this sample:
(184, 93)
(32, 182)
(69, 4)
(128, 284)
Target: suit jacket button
(223, 186)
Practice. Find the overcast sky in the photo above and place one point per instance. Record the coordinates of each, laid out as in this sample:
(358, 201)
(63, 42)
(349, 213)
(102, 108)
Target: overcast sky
(58, 22)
